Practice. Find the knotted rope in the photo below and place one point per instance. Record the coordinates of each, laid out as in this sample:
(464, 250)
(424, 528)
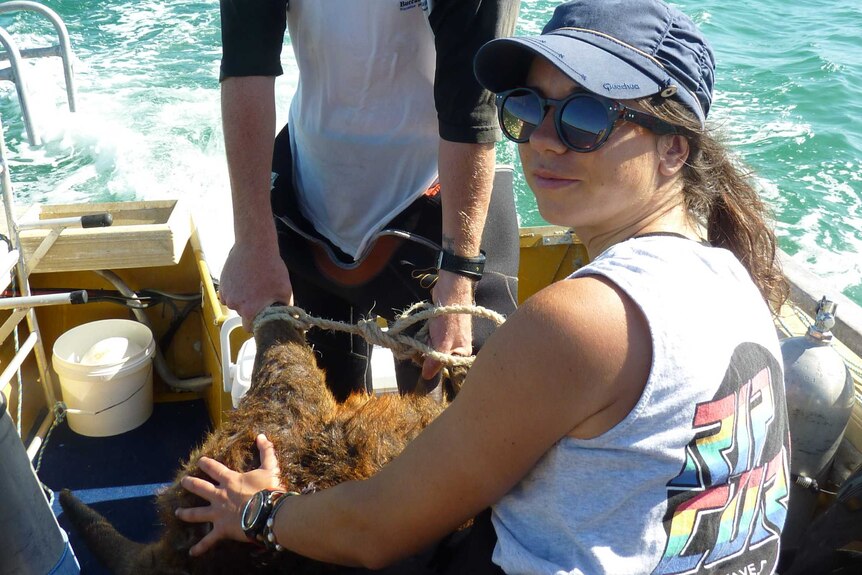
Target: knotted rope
(403, 346)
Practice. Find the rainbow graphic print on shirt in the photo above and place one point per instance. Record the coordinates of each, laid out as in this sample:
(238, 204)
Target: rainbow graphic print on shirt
(727, 505)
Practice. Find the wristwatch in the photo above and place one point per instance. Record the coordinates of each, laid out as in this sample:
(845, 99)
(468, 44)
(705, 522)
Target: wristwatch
(468, 267)
(256, 512)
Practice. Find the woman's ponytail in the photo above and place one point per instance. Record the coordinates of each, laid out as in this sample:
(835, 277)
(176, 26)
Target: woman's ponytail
(720, 196)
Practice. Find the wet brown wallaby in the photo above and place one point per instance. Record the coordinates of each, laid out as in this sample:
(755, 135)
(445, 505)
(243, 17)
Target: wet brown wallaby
(319, 443)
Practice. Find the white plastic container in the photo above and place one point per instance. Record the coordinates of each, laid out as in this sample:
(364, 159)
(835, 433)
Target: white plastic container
(236, 377)
(106, 376)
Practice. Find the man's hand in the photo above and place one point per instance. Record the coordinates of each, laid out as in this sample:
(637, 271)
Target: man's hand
(450, 333)
(252, 279)
(228, 496)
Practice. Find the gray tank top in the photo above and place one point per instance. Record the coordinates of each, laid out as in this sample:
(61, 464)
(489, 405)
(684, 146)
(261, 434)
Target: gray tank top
(695, 478)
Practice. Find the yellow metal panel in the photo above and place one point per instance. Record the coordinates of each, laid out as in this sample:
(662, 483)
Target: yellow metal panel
(215, 314)
(548, 254)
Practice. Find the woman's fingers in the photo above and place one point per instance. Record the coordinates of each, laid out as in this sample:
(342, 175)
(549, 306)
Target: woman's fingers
(196, 514)
(199, 487)
(228, 495)
(268, 459)
(215, 469)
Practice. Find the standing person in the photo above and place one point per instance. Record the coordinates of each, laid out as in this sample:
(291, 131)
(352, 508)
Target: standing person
(381, 179)
(631, 418)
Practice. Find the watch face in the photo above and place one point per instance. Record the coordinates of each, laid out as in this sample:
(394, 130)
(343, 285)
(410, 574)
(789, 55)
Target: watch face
(252, 510)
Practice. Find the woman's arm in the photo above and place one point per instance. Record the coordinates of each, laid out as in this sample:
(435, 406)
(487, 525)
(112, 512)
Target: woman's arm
(573, 355)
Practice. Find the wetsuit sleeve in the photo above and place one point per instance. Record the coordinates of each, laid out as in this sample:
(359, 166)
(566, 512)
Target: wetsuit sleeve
(252, 33)
(465, 110)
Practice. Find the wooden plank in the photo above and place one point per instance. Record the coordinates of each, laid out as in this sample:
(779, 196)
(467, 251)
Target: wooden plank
(144, 234)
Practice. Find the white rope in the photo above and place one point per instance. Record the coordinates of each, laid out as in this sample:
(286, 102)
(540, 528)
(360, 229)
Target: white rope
(402, 346)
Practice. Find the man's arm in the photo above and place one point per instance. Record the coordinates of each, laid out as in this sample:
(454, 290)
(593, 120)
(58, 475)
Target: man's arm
(466, 176)
(468, 131)
(254, 275)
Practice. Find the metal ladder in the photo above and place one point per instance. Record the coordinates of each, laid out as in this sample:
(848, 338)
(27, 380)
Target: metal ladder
(22, 306)
(15, 72)
(13, 260)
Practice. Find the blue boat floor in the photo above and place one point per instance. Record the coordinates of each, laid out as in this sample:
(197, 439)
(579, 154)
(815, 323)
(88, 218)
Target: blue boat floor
(118, 476)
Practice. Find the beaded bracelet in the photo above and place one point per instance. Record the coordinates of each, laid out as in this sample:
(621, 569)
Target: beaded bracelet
(268, 534)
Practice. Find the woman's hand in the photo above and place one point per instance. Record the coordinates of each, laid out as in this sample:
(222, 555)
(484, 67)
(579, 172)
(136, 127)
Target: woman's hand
(228, 496)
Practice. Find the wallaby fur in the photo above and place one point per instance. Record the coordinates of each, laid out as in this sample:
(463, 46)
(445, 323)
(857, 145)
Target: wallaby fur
(318, 441)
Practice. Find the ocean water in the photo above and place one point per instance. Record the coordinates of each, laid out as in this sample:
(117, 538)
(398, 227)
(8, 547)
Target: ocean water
(788, 99)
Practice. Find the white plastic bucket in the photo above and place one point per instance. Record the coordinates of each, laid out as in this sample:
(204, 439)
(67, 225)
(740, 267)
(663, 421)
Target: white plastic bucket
(111, 390)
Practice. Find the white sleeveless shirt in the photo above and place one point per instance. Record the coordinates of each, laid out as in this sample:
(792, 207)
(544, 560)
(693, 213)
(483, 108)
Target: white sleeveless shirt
(363, 126)
(695, 478)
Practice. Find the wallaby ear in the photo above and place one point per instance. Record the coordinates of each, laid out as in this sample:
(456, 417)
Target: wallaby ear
(673, 150)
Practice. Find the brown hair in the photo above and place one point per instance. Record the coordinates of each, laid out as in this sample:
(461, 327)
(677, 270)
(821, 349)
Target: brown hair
(719, 194)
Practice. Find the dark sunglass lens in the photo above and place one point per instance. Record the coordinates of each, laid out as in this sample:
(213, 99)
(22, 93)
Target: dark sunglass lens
(521, 114)
(584, 122)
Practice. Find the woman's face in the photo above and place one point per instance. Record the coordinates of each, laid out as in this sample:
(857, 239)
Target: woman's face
(608, 194)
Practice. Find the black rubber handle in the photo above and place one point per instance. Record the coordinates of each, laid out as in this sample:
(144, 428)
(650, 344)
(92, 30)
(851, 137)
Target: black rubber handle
(78, 296)
(97, 220)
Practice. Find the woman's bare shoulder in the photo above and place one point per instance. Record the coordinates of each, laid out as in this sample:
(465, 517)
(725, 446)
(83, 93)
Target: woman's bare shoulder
(587, 344)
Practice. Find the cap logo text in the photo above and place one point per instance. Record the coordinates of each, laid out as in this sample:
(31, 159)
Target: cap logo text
(624, 86)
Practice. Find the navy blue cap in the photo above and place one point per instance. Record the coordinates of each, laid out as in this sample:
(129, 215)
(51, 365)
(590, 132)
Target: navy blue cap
(622, 49)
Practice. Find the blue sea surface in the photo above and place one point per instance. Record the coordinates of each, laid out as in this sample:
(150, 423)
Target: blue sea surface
(788, 100)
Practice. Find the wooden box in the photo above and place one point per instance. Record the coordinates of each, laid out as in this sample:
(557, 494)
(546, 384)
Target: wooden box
(143, 234)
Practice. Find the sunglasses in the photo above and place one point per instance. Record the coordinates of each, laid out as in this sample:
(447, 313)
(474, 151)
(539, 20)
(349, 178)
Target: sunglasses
(583, 120)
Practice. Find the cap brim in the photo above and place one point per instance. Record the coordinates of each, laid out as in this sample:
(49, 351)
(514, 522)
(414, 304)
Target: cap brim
(503, 64)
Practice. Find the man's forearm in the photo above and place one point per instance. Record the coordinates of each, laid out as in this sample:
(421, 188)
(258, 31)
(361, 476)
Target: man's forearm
(248, 121)
(466, 179)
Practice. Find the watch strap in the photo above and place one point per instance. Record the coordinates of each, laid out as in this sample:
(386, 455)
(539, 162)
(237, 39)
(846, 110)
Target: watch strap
(468, 267)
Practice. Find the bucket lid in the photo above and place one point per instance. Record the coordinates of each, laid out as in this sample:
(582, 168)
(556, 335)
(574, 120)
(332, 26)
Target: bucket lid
(111, 350)
(72, 345)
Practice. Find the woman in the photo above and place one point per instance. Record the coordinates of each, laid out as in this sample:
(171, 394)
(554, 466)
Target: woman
(651, 435)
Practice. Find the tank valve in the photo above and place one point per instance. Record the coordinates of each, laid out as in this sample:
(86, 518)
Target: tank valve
(806, 483)
(824, 321)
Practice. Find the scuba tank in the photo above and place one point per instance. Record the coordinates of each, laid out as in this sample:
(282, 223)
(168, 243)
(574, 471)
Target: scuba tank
(820, 397)
(32, 541)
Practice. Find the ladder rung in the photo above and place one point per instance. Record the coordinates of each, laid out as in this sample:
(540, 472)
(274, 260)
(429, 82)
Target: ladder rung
(73, 297)
(16, 317)
(41, 52)
(98, 220)
(19, 358)
(7, 263)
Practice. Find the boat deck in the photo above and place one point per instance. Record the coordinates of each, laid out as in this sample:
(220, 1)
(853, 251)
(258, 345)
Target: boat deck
(119, 475)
